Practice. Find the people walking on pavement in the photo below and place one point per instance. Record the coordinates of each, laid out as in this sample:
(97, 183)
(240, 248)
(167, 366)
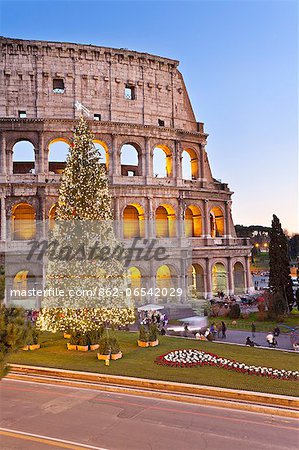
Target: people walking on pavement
(223, 329)
(272, 342)
(253, 329)
(276, 331)
(219, 329)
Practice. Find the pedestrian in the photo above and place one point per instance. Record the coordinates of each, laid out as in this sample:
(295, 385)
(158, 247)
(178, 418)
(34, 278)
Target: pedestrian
(276, 331)
(249, 342)
(223, 329)
(219, 328)
(253, 329)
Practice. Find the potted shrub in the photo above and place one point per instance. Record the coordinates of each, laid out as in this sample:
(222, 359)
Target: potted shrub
(72, 345)
(143, 337)
(115, 349)
(153, 335)
(93, 340)
(34, 345)
(82, 345)
(67, 334)
(104, 349)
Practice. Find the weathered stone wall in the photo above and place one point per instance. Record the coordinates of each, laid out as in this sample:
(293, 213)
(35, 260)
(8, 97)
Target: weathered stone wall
(95, 76)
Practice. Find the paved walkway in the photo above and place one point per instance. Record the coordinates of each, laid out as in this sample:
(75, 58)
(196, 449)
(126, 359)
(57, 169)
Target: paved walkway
(239, 337)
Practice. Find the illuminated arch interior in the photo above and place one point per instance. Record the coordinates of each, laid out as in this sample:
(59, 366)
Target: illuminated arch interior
(102, 148)
(23, 157)
(165, 221)
(20, 281)
(58, 151)
(239, 278)
(189, 164)
(23, 222)
(52, 216)
(219, 278)
(216, 222)
(196, 279)
(162, 162)
(193, 221)
(133, 221)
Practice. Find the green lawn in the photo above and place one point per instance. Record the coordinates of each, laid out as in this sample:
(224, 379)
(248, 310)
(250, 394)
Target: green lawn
(139, 362)
(266, 325)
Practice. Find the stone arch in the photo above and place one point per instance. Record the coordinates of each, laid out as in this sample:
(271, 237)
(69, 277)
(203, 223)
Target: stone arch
(23, 280)
(239, 278)
(166, 278)
(165, 221)
(162, 161)
(52, 216)
(133, 221)
(190, 164)
(23, 222)
(58, 151)
(23, 157)
(193, 221)
(216, 222)
(196, 279)
(219, 278)
(102, 148)
(130, 159)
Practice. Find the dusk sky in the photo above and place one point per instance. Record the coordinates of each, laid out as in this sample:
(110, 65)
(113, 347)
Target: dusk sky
(239, 62)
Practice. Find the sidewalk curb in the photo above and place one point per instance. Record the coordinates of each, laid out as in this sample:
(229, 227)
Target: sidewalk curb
(208, 395)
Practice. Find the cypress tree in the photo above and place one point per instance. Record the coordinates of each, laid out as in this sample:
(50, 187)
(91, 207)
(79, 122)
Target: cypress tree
(280, 282)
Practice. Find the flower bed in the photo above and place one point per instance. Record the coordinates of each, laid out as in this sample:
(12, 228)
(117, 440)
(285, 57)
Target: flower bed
(194, 357)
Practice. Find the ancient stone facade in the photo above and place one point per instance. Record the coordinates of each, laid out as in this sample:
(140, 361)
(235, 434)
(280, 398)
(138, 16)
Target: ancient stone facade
(134, 99)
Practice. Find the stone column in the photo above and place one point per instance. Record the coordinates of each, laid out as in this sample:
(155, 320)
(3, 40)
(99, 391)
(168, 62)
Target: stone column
(3, 154)
(41, 167)
(248, 274)
(181, 214)
(3, 219)
(177, 162)
(230, 275)
(118, 223)
(150, 219)
(148, 161)
(116, 166)
(9, 162)
(42, 223)
(207, 231)
(202, 161)
(209, 293)
(228, 218)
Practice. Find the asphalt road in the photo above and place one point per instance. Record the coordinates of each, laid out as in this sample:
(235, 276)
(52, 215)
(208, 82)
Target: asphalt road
(32, 415)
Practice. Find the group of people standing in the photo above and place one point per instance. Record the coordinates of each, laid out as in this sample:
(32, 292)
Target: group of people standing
(218, 330)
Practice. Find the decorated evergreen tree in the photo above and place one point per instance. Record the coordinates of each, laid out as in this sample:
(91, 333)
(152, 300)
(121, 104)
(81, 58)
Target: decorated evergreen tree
(83, 223)
(280, 282)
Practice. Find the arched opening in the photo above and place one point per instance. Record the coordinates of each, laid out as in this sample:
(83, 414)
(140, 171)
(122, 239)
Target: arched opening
(165, 280)
(130, 161)
(23, 157)
(162, 162)
(165, 221)
(103, 152)
(193, 221)
(22, 282)
(239, 278)
(23, 222)
(196, 280)
(134, 282)
(52, 216)
(58, 151)
(219, 278)
(133, 221)
(189, 164)
(216, 222)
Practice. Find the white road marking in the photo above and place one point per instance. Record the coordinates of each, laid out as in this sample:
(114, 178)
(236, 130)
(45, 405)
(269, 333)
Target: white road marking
(41, 436)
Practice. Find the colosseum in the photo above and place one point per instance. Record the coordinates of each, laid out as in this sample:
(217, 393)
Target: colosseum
(148, 137)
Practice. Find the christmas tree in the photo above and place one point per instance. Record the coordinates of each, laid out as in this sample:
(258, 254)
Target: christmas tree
(280, 282)
(77, 262)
